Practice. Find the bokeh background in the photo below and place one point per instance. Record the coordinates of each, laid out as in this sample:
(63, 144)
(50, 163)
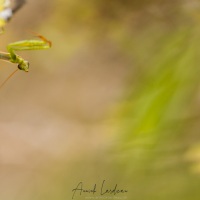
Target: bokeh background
(116, 98)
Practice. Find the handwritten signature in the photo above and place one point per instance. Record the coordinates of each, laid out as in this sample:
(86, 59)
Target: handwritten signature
(103, 190)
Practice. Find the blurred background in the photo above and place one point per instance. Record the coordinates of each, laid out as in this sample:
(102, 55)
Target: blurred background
(116, 98)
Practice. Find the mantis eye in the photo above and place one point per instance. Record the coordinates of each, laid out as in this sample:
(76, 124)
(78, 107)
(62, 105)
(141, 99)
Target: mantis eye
(24, 66)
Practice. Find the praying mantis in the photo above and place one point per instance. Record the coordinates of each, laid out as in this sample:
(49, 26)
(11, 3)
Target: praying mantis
(11, 56)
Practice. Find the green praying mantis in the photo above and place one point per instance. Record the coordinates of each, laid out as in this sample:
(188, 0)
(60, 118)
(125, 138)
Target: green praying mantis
(11, 56)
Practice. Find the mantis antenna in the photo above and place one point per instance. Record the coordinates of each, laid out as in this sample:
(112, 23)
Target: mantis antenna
(8, 78)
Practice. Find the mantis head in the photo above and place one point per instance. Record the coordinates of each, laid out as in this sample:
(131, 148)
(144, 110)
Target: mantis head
(24, 65)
